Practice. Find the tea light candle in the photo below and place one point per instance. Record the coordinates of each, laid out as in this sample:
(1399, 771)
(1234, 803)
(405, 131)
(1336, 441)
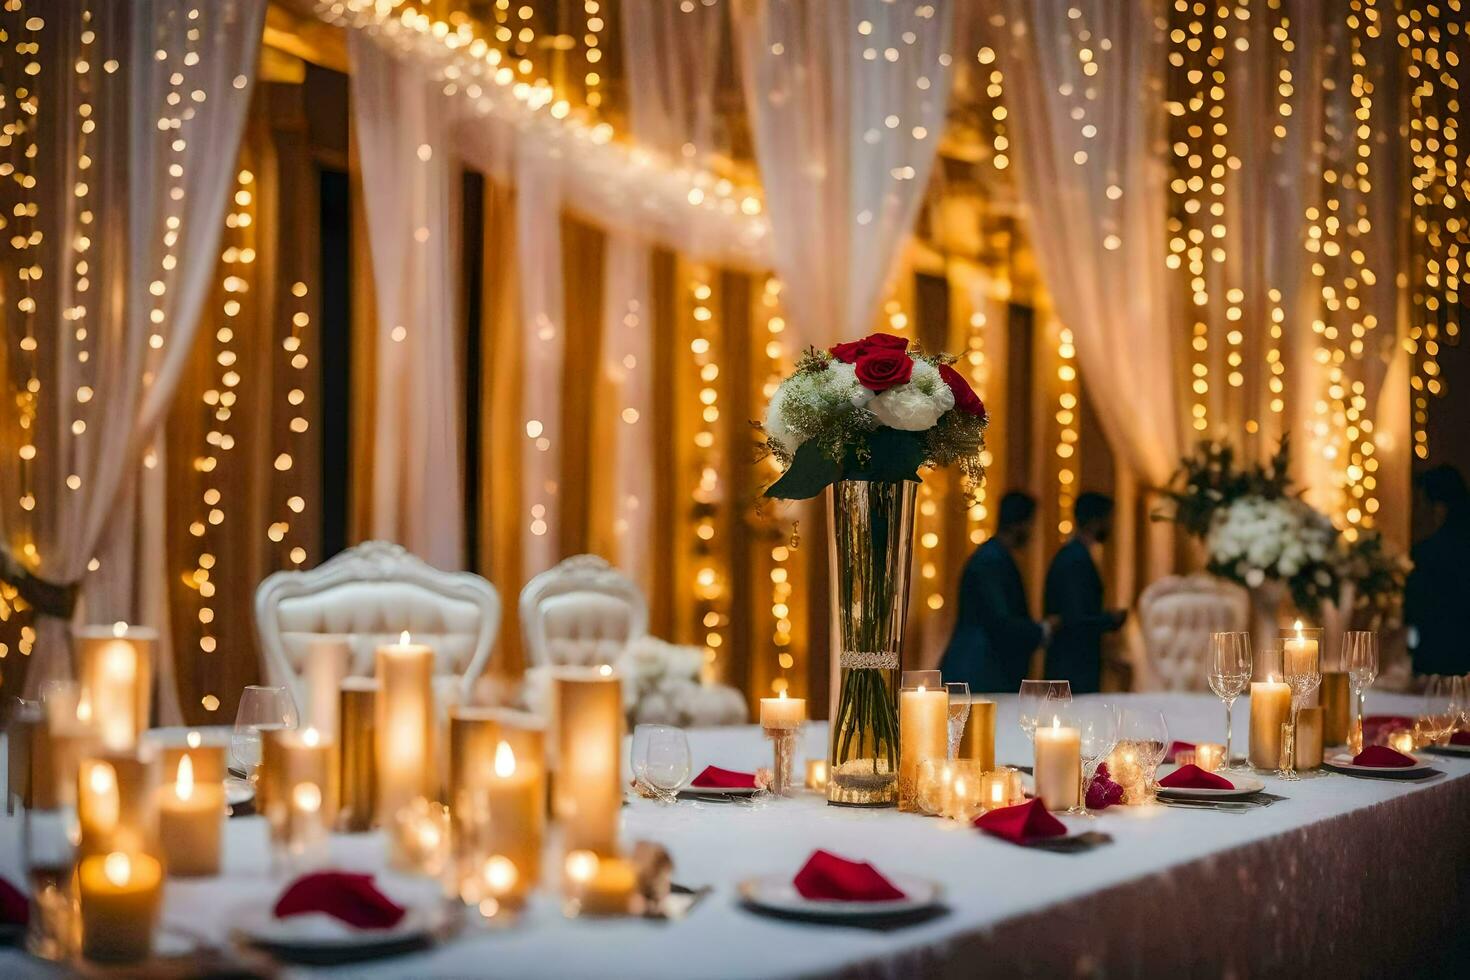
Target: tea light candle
(405, 726)
(978, 740)
(816, 774)
(587, 706)
(1309, 729)
(965, 794)
(115, 668)
(600, 885)
(995, 789)
(119, 898)
(923, 727)
(1270, 707)
(357, 774)
(326, 665)
(1058, 769)
(1209, 756)
(421, 838)
(190, 821)
(782, 712)
(1401, 740)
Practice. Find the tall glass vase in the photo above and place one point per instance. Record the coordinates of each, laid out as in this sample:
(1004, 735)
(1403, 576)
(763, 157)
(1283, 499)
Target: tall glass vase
(872, 531)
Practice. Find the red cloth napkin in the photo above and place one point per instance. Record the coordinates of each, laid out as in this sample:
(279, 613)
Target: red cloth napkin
(827, 877)
(1383, 757)
(353, 898)
(1460, 738)
(1178, 747)
(1021, 824)
(1193, 777)
(15, 908)
(716, 778)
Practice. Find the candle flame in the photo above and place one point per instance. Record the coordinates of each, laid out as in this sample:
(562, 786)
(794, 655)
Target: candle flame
(120, 664)
(959, 786)
(102, 778)
(500, 874)
(605, 670)
(783, 694)
(581, 866)
(84, 707)
(403, 638)
(117, 868)
(119, 628)
(194, 739)
(184, 783)
(307, 797)
(505, 760)
(921, 688)
(1056, 723)
(1298, 628)
(311, 738)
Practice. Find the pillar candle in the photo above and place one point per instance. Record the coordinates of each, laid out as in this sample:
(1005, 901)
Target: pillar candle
(1300, 650)
(1270, 707)
(357, 754)
(405, 726)
(191, 816)
(326, 665)
(117, 805)
(498, 801)
(115, 668)
(119, 895)
(206, 754)
(978, 740)
(587, 705)
(290, 758)
(514, 796)
(1058, 771)
(923, 727)
(782, 712)
(1335, 697)
(1310, 723)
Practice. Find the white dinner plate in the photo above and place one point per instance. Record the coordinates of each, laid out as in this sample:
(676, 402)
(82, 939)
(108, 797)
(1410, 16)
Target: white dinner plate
(1450, 749)
(1245, 785)
(777, 893)
(1343, 763)
(693, 790)
(319, 933)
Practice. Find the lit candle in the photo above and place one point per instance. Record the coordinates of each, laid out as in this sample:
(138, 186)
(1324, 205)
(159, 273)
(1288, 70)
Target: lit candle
(781, 717)
(995, 789)
(405, 726)
(119, 899)
(1300, 651)
(923, 726)
(1058, 770)
(514, 812)
(1270, 707)
(326, 665)
(782, 712)
(816, 774)
(964, 797)
(190, 820)
(290, 760)
(1309, 727)
(1209, 756)
(1401, 740)
(978, 740)
(421, 838)
(358, 756)
(587, 707)
(116, 803)
(115, 668)
(600, 885)
(73, 734)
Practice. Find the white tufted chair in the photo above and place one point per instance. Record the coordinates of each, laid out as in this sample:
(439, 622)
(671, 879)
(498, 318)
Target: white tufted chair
(1177, 614)
(367, 595)
(583, 611)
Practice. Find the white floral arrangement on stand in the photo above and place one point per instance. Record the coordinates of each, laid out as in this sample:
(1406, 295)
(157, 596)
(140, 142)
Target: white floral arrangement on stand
(1253, 540)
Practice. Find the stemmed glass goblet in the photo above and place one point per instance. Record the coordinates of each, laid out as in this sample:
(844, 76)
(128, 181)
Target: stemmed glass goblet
(1146, 734)
(1301, 664)
(661, 760)
(1040, 699)
(1230, 671)
(1097, 724)
(262, 709)
(959, 713)
(1360, 657)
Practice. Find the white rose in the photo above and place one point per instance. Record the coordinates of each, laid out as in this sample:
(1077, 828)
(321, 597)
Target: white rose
(775, 426)
(906, 407)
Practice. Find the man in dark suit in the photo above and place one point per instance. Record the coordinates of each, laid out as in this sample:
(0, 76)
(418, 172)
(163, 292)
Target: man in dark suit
(1437, 594)
(1074, 594)
(994, 634)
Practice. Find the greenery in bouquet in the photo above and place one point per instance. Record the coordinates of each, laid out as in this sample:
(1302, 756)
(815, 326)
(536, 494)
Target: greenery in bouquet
(873, 410)
(1209, 479)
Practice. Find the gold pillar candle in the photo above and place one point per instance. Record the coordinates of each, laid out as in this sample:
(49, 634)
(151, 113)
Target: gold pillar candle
(1335, 697)
(115, 669)
(923, 727)
(515, 805)
(119, 896)
(206, 754)
(327, 659)
(1310, 724)
(498, 807)
(405, 727)
(816, 774)
(117, 805)
(1270, 708)
(599, 885)
(191, 818)
(290, 758)
(587, 793)
(978, 740)
(357, 754)
(1058, 770)
(473, 734)
(1209, 756)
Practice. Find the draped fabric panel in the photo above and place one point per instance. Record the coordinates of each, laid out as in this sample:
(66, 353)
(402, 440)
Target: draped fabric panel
(121, 148)
(404, 130)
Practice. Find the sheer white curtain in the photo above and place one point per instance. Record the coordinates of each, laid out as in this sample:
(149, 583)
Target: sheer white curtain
(122, 154)
(404, 126)
(1091, 168)
(847, 104)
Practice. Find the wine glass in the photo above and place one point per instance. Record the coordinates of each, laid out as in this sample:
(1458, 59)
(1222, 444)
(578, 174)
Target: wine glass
(262, 709)
(1360, 657)
(1301, 665)
(1230, 671)
(1147, 734)
(1435, 717)
(1097, 724)
(662, 760)
(49, 855)
(1041, 698)
(1457, 705)
(959, 713)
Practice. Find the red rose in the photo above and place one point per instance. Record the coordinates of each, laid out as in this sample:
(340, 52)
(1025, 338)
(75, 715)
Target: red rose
(965, 398)
(880, 370)
(849, 352)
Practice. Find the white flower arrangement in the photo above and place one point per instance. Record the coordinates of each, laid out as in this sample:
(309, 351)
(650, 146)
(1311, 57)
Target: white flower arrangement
(1254, 539)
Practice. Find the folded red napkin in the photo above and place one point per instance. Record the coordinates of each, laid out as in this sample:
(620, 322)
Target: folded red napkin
(1383, 757)
(353, 898)
(1178, 747)
(1193, 777)
(827, 877)
(1460, 738)
(714, 777)
(1021, 824)
(15, 908)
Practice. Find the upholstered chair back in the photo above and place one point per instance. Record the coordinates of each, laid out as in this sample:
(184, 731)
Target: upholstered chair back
(583, 611)
(368, 595)
(1177, 615)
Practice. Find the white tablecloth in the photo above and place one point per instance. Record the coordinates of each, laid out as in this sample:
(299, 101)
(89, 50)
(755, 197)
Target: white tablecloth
(1351, 874)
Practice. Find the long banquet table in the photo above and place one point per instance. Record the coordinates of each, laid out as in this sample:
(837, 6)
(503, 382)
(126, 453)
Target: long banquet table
(1346, 876)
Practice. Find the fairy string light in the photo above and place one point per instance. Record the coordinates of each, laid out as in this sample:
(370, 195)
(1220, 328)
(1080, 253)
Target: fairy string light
(782, 569)
(709, 579)
(297, 362)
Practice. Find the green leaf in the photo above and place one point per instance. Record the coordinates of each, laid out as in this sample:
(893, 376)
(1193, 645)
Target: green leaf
(893, 456)
(810, 472)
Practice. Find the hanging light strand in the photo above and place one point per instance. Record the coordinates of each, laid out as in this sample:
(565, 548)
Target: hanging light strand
(709, 578)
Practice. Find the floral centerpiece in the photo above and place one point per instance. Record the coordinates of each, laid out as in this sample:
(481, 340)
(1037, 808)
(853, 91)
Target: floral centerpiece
(1255, 539)
(863, 419)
